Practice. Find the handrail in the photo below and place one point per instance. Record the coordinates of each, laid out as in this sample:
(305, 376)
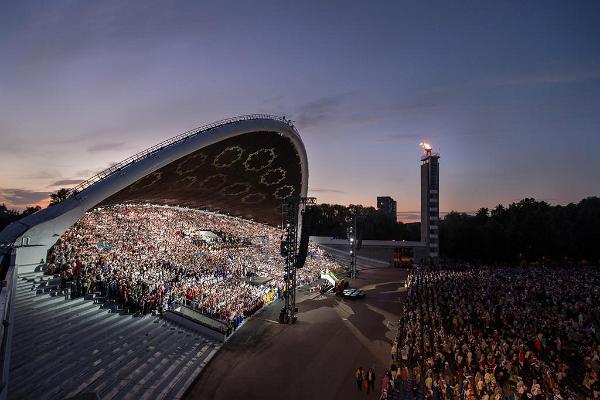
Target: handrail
(175, 139)
(7, 306)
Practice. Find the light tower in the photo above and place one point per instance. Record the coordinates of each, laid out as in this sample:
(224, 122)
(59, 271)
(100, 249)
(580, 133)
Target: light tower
(430, 200)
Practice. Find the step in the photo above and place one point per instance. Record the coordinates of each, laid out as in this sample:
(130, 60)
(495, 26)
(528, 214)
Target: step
(24, 284)
(91, 374)
(126, 366)
(128, 346)
(48, 378)
(67, 339)
(24, 294)
(50, 313)
(37, 302)
(76, 323)
(28, 353)
(161, 361)
(40, 302)
(52, 317)
(47, 334)
(89, 371)
(124, 360)
(177, 389)
(176, 371)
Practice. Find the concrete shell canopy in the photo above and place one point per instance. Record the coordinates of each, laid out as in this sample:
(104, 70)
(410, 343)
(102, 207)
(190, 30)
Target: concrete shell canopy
(246, 166)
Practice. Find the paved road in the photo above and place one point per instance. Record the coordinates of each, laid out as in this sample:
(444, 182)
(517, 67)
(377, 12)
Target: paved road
(316, 357)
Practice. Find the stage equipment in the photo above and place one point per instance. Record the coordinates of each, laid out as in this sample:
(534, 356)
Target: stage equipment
(294, 250)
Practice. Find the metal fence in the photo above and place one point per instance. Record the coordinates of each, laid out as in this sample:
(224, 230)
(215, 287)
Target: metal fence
(7, 306)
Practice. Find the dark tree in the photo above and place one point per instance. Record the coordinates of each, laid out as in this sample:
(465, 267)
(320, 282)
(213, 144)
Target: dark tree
(30, 210)
(7, 215)
(527, 230)
(59, 196)
(334, 219)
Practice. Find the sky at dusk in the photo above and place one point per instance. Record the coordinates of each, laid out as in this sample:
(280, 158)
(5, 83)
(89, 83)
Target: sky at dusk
(508, 92)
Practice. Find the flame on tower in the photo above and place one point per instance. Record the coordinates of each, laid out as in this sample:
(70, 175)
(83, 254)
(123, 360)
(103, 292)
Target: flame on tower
(426, 147)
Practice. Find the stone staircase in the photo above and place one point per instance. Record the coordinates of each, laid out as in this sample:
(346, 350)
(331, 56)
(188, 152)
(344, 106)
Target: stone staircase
(66, 348)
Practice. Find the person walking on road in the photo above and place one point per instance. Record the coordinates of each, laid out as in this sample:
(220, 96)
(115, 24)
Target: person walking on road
(370, 380)
(360, 376)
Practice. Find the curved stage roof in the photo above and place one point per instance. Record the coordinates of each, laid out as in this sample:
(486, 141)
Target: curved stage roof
(249, 175)
(246, 166)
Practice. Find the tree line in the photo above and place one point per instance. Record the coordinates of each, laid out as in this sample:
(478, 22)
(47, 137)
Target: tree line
(524, 231)
(8, 215)
(333, 220)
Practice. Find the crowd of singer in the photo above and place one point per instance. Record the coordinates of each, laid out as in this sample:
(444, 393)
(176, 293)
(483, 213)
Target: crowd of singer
(494, 333)
(149, 258)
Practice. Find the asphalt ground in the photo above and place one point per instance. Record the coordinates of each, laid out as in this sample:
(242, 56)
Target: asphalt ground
(316, 357)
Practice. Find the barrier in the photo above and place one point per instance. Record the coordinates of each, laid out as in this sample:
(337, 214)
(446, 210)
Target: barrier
(189, 311)
(7, 305)
(193, 324)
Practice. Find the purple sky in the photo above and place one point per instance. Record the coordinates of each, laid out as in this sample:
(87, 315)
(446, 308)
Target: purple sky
(508, 92)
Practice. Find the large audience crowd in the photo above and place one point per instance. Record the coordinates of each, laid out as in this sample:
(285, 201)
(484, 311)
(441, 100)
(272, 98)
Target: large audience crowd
(496, 333)
(152, 258)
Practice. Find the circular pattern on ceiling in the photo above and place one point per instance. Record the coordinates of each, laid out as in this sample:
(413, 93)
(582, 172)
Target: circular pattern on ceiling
(187, 181)
(213, 182)
(260, 159)
(253, 198)
(273, 176)
(146, 181)
(283, 192)
(228, 157)
(236, 189)
(191, 163)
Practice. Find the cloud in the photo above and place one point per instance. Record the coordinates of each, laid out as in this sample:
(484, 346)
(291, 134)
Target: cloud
(415, 216)
(107, 146)
(66, 182)
(22, 197)
(545, 78)
(11, 146)
(323, 109)
(409, 216)
(324, 190)
(41, 175)
(87, 172)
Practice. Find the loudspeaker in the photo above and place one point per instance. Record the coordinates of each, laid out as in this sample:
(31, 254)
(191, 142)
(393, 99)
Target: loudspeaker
(304, 236)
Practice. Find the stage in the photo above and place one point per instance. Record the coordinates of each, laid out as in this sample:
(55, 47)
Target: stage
(316, 357)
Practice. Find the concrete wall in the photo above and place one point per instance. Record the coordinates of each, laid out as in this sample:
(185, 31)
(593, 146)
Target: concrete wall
(28, 258)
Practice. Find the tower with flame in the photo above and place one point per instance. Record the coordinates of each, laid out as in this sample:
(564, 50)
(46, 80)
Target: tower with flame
(430, 200)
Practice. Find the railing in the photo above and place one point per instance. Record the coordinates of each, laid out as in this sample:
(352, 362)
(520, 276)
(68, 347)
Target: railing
(7, 304)
(143, 154)
(198, 315)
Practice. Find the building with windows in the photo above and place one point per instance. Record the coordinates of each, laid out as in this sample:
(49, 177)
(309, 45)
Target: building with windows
(430, 199)
(387, 205)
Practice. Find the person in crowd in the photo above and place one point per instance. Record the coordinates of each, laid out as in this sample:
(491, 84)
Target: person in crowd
(496, 333)
(359, 374)
(370, 378)
(151, 258)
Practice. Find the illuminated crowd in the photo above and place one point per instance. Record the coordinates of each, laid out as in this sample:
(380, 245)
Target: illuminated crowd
(496, 333)
(153, 258)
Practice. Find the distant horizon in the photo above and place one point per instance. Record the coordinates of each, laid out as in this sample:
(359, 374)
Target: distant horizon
(411, 216)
